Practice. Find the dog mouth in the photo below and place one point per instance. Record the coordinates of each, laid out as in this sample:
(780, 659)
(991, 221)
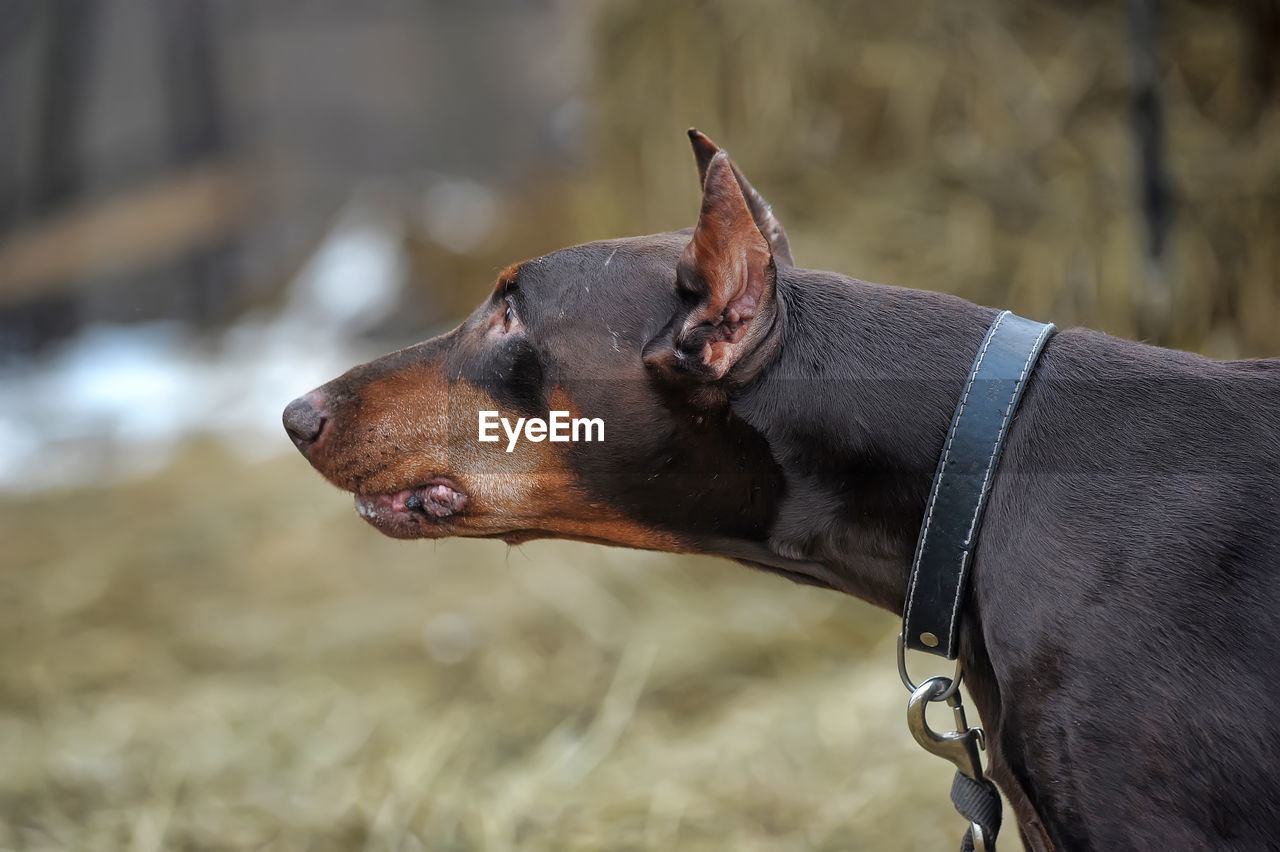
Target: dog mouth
(413, 512)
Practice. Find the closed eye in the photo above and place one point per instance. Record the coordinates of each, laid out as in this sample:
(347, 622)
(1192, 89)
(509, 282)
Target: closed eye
(506, 319)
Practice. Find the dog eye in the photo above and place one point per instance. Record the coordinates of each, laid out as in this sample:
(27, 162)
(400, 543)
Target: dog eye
(508, 317)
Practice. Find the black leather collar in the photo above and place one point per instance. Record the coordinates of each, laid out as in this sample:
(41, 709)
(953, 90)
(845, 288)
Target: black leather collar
(953, 515)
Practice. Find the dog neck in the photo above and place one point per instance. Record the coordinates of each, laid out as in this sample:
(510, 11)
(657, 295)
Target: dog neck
(855, 407)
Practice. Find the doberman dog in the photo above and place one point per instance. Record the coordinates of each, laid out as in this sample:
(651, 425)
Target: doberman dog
(1121, 627)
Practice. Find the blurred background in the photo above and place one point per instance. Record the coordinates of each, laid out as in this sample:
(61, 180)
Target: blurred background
(207, 208)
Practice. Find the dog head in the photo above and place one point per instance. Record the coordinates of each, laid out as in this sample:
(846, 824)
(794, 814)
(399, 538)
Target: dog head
(632, 347)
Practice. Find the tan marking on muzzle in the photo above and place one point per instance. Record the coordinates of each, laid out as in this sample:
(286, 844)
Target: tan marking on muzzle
(414, 425)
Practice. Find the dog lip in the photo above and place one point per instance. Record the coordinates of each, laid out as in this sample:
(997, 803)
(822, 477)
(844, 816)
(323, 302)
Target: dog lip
(413, 512)
(438, 500)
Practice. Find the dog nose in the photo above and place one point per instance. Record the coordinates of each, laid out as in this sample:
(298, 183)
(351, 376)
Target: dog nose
(304, 421)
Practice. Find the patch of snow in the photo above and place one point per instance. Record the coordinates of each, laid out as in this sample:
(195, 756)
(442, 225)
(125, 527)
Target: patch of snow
(115, 401)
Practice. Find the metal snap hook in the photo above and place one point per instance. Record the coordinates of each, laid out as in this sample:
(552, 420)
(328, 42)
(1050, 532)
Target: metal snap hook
(961, 746)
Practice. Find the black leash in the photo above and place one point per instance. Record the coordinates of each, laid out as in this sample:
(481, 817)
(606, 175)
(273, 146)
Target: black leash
(944, 553)
(979, 803)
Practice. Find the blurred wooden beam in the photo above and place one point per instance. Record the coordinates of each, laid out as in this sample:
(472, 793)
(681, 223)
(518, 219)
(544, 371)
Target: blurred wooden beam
(145, 225)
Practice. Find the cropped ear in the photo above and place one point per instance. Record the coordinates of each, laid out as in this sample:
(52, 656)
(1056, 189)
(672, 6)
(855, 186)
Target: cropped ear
(761, 212)
(729, 278)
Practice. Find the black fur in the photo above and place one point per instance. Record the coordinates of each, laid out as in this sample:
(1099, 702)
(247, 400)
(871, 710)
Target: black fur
(1118, 638)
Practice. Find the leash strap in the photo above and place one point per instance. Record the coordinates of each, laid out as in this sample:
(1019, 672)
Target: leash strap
(953, 515)
(978, 801)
